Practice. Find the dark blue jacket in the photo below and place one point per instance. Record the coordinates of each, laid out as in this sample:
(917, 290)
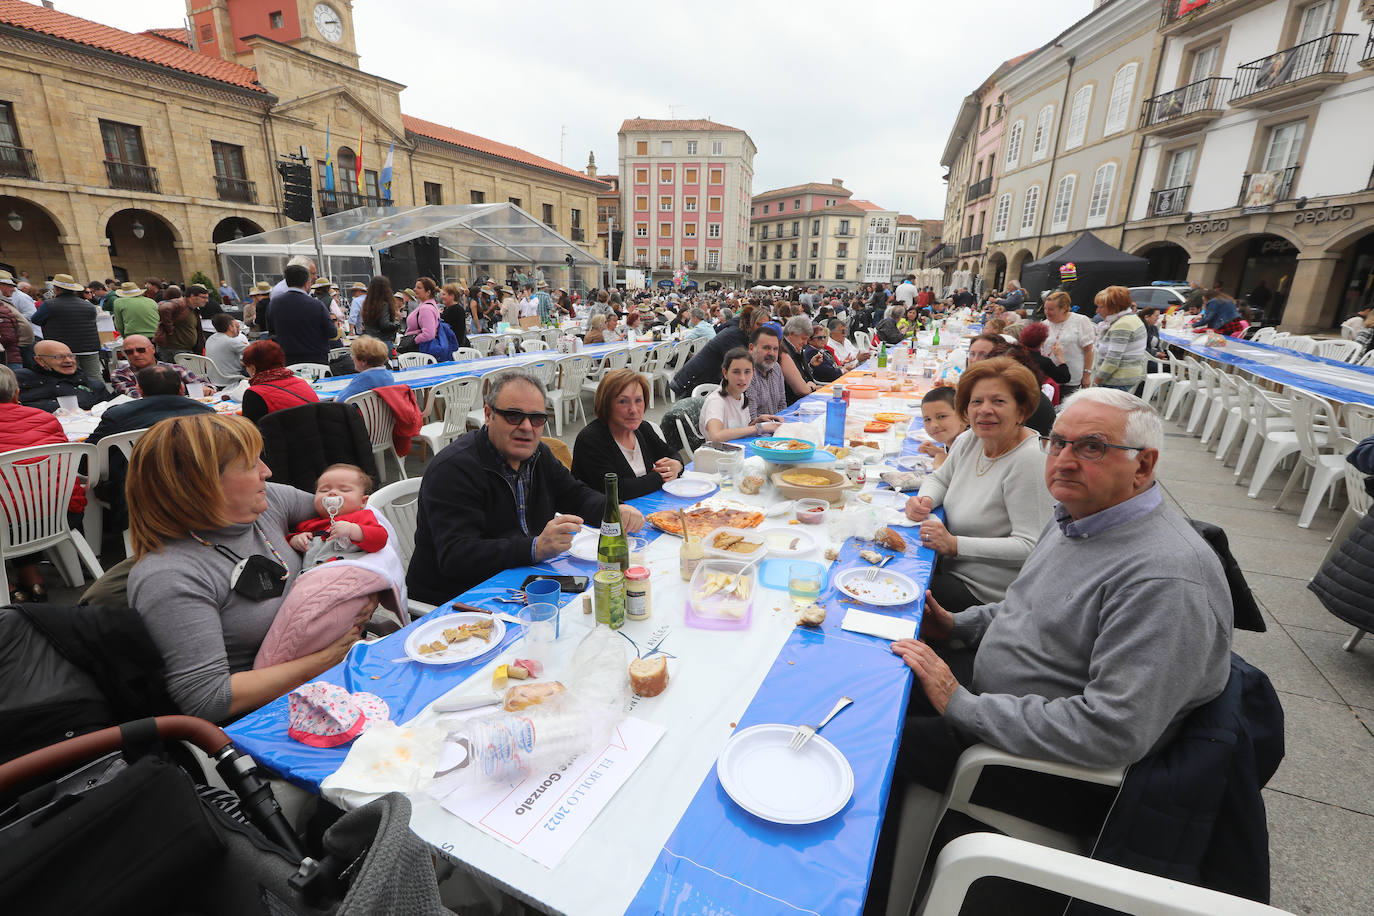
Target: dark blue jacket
(143, 413)
(301, 325)
(1192, 811)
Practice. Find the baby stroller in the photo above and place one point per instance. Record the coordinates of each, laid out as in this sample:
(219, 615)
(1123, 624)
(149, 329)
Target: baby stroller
(132, 833)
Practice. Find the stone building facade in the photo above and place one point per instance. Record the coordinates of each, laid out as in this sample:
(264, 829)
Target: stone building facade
(133, 155)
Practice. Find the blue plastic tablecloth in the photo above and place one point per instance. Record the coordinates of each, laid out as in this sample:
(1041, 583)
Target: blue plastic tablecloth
(1232, 355)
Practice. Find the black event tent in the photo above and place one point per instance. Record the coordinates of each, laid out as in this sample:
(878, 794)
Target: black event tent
(1099, 265)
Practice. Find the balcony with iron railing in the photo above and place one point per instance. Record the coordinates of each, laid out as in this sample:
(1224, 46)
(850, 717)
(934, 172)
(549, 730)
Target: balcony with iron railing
(1180, 16)
(1185, 109)
(238, 189)
(578, 234)
(1293, 74)
(338, 201)
(971, 243)
(1170, 201)
(665, 262)
(1367, 59)
(979, 189)
(131, 176)
(1259, 191)
(17, 162)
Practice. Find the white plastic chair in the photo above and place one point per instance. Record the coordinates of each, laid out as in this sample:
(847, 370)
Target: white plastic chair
(1183, 385)
(1301, 344)
(551, 336)
(1265, 335)
(1336, 349)
(967, 858)
(1235, 408)
(457, 396)
(338, 353)
(380, 423)
(477, 416)
(482, 343)
(653, 361)
(97, 472)
(206, 369)
(1366, 360)
(534, 346)
(616, 359)
(1206, 396)
(35, 489)
(705, 388)
(415, 360)
(1280, 338)
(1310, 415)
(1157, 382)
(636, 357)
(311, 372)
(1278, 445)
(463, 353)
(400, 503)
(1268, 412)
(572, 375)
(546, 370)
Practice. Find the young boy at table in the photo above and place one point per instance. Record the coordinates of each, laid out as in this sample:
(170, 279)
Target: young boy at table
(349, 567)
(942, 423)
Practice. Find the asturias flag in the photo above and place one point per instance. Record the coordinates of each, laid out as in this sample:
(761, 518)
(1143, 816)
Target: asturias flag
(328, 160)
(386, 172)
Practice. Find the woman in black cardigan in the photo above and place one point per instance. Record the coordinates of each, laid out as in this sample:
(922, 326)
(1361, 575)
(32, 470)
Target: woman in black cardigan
(618, 441)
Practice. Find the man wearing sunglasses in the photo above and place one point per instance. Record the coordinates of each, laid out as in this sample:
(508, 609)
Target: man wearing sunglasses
(1118, 625)
(141, 354)
(497, 499)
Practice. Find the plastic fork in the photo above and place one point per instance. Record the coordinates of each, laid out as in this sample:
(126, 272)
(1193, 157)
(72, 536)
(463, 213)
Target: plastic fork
(805, 733)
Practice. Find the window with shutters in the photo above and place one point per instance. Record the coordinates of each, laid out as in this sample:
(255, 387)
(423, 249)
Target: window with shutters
(1100, 200)
(641, 230)
(641, 203)
(665, 176)
(1040, 146)
(689, 230)
(713, 204)
(1014, 144)
(1119, 108)
(1030, 209)
(665, 203)
(641, 147)
(434, 194)
(689, 176)
(641, 176)
(689, 204)
(665, 230)
(547, 212)
(665, 147)
(1063, 203)
(477, 197)
(1078, 117)
(717, 147)
(1001, 217)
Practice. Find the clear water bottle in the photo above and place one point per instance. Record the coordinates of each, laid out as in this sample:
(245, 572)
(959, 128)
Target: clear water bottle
(504, 748)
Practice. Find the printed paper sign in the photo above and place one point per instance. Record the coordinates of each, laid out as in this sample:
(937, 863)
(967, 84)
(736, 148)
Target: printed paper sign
(545, 813)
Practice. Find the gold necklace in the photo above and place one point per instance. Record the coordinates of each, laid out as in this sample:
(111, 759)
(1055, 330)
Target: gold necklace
(978, 468)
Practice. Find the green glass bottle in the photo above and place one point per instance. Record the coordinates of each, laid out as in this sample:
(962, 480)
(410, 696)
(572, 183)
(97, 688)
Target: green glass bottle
(882, 356)
(613, 548)
(935, 341)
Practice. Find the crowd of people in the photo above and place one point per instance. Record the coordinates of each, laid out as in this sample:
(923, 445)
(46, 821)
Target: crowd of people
(1072, 614)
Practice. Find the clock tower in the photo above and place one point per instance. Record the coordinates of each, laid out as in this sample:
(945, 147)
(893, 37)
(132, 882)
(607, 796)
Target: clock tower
(320, 27)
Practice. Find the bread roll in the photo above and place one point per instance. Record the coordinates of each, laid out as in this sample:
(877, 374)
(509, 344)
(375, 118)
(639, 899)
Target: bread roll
(890, 539)
(649, 676)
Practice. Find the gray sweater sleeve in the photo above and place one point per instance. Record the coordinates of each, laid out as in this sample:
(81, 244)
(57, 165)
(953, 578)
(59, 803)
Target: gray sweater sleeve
(1116, 719)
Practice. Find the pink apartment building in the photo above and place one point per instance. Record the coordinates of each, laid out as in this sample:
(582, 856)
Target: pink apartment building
(685, 190)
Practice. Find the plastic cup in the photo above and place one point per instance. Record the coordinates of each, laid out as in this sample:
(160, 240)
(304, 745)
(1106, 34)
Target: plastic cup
(542, 591)
(541, 631)
(637, 547)
(729, 471)
(68, 402)
(195, 390)
(803, 582)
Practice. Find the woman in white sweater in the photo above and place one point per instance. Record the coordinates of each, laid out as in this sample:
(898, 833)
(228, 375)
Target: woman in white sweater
(992, 488)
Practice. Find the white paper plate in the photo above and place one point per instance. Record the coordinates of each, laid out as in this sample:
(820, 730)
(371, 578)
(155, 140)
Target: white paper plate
(584, 545)
(690, 487)
(889, 499)
(888, 589)
(432, 630)
(778, 541)
(767, 779)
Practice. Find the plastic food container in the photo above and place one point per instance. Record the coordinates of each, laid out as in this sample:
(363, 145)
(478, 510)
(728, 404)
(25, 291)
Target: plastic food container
(785, 448)
(862, 392)
(749, 536)
(706, 458)
(832, 489)
(810, 511)
(717, 599)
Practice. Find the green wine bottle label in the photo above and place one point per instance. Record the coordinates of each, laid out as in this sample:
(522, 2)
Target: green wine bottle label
(610, 529)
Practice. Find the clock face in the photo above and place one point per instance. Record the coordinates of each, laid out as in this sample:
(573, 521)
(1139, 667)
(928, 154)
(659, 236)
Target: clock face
(328, 22)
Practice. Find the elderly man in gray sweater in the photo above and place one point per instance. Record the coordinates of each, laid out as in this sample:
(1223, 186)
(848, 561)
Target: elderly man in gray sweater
(1117, 627)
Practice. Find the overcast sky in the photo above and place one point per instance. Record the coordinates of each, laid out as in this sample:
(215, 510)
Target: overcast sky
(864, 91)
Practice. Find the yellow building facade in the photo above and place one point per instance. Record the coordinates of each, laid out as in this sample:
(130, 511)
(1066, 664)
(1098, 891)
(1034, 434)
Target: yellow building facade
(129, 155)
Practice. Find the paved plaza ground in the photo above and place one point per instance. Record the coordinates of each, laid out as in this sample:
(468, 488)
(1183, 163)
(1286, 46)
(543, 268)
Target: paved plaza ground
(1320, 804)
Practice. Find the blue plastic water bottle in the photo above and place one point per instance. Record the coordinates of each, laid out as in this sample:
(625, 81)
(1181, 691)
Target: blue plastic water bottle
(835, 410)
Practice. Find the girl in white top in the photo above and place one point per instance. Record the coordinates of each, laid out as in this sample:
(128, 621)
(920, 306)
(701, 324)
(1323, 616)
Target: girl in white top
(992, 487)
(724, 413)
(1070, 341)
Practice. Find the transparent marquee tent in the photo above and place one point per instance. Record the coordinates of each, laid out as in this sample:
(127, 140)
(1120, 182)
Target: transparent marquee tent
(499, 241)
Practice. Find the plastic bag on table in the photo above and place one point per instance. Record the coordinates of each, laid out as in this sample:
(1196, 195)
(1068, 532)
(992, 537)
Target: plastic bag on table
(503, 747)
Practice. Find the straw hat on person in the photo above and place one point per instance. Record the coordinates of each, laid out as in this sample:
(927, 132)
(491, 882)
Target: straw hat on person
(128, 289)
(358, 285)
(65, 281)
(321, 283)
(261, 288)
(7, 278)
